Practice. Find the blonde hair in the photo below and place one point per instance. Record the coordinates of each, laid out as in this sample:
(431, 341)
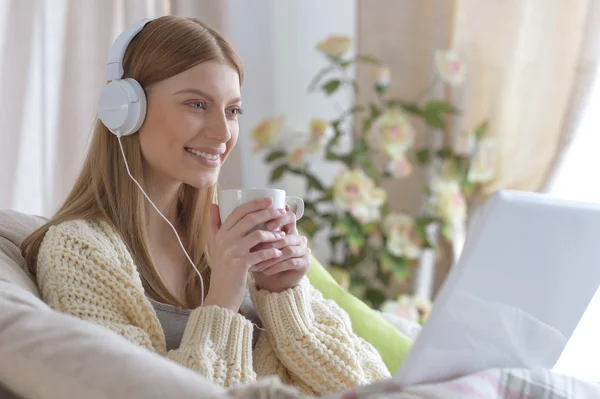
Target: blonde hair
(103, 191)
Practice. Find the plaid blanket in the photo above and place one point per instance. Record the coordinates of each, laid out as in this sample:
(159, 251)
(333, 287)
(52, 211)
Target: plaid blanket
(489, 384)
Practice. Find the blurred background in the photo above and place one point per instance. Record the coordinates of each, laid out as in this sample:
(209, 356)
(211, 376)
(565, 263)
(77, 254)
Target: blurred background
(394, 119)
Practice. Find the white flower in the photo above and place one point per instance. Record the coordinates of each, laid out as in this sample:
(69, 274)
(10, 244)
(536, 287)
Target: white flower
(409, 307)
(485, 162)
(399, 168)
(394, 133)
(402, 236)
(297, 157)
(320, 132)
(449, 203)
(382, 76)
(334, 46)
(401, 308)
(449, 67)
(266, 133)
(356, 193)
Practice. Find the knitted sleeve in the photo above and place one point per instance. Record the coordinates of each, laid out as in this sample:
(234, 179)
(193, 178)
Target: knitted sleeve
(313, 339)
(86, 271)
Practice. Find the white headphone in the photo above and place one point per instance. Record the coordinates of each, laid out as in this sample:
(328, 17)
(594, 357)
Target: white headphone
(122, 109)
(122, 104)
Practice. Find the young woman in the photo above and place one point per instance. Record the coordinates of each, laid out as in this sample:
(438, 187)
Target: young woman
(108, 257)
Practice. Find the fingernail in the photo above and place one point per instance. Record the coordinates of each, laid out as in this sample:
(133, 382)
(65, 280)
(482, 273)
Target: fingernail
(281, 233)
(278, 253)
(282, 212)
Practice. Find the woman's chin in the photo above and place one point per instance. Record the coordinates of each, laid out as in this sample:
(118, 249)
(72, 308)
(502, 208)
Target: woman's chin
(202, 181)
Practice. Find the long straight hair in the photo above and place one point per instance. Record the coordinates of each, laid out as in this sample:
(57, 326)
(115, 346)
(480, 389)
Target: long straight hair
(103, 191)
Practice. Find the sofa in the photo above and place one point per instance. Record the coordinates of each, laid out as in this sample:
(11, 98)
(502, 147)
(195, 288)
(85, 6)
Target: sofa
(46, 354)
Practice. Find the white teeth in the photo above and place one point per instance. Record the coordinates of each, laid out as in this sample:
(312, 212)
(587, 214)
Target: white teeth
(212, 157)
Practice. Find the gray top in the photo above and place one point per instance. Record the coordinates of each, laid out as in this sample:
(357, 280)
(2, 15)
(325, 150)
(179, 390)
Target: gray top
(173, 320)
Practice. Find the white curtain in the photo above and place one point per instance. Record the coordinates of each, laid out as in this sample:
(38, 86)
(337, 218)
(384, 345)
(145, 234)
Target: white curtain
(576, 179)
(53, 54)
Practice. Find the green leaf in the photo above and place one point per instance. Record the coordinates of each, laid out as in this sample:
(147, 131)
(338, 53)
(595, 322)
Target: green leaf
(331, 86)
(423, 156)
(433, 119)
(356, 108)
(369, 228)
(445, 153)
(278, 172)
(440, 106)
(310, 206)
(375, 110)
(375, 297)
(411, 108)
(402, 273)
(361, 146)
(308, 226)
(467, 187)
(313, 182)
(274, 155)
(367, 125)
(481, 130)
(320, 75)
(368, 59)
(334, 239)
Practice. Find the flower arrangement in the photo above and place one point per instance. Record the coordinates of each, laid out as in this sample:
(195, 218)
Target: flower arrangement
(374, 247)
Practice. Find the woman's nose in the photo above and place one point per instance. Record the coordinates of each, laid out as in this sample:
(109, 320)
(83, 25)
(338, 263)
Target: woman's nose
(217, 127)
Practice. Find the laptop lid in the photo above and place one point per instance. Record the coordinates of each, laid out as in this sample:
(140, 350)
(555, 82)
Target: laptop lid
(527, 273)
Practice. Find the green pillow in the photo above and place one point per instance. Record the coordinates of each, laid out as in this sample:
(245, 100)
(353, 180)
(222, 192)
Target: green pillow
(391, 344)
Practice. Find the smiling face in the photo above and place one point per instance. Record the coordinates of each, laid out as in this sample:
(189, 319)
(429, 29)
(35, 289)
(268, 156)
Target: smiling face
(191, 125)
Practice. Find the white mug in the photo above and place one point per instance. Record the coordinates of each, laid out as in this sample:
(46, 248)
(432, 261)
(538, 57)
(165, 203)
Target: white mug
(231, 199)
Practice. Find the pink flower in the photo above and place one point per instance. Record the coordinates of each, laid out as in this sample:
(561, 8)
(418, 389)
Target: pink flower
(266, 133)
(449, 203)
(400, 168)
(355, 192)
(403, 239)
(297, 157)
(320, 132)
(449, 67)
(394, 133)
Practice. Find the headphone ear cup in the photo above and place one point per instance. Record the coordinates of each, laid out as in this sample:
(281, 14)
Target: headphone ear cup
(122, 106)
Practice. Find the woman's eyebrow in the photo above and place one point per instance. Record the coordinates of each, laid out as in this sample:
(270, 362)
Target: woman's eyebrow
(204, 94)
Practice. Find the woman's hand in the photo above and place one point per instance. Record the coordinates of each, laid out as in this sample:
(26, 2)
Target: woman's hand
(229, 247)
(280, 274)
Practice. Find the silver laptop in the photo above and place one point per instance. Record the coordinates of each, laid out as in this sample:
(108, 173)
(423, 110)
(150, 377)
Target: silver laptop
(529, 269)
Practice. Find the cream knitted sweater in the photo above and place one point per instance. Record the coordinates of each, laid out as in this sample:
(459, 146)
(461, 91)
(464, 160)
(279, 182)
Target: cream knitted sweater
(85, 269)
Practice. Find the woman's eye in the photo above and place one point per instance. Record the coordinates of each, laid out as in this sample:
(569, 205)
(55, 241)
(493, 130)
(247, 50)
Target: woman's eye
(235, 112)
(198, 105)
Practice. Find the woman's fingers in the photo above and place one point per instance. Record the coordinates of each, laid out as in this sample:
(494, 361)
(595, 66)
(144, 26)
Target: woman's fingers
(286, 241)
(255, 219)
(243, 210)
(288, 218)
(264, 255)
(260, 240)
(288, 253)
(295, 263)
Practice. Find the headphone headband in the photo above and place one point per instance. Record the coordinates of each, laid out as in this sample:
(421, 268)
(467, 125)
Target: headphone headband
(114, 65)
